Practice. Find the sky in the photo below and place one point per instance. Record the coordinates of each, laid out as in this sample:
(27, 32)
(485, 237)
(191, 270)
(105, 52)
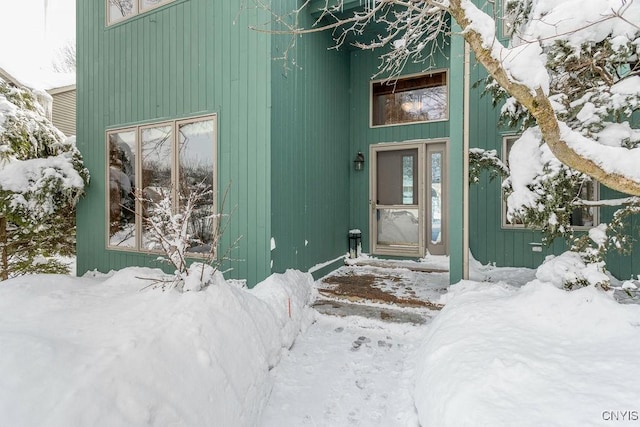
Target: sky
(26, 39)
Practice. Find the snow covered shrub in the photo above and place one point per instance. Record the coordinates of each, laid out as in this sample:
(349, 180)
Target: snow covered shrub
(41, 179)
(570, 271)
(191, 230)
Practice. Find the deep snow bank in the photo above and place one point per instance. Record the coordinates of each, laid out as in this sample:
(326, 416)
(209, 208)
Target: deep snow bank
(106, 352)
(535, 356)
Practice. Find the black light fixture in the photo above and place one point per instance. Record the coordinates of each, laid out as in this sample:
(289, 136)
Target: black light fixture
(355, 243)
(358, 163)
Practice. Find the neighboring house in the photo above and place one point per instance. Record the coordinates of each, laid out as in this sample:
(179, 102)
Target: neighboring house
(56, 92)
(175, 92)
(8, 77)
(63, 108)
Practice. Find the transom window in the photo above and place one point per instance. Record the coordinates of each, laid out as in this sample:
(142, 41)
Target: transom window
(119, 10)
(168, 159)
(412, 99)
(581, 217)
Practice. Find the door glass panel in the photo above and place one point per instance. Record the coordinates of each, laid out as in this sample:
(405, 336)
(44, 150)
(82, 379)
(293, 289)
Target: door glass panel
(435, 163)
(122, 181)
(408, 181)
(156, 171)
(397, 177)
(397, 227)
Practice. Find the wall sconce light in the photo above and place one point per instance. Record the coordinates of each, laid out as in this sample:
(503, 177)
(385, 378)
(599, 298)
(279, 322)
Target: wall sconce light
(358, 163)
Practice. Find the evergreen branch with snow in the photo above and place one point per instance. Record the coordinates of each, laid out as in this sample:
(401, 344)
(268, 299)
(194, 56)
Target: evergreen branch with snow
(480, 160)
(42, 177)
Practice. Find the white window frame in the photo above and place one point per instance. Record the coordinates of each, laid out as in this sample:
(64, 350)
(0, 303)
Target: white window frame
(503, 203)
(596, 209)
(175, 160)
(138, 10)
(507, 225)
(504, 19)
(406, 77)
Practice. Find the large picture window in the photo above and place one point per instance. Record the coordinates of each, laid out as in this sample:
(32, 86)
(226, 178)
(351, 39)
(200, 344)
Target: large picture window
(159, 160)
(412, 99)
(119, 10)
(581, 217)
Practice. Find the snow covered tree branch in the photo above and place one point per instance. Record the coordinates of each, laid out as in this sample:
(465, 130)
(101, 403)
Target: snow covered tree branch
(65, 60)
(172, 230)
(554, 52)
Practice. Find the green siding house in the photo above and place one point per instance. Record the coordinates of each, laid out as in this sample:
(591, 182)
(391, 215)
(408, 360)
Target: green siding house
(173, 93)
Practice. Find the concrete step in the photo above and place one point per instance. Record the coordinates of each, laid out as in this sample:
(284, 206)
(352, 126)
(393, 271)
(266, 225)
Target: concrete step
(389, 263)
(344, 308)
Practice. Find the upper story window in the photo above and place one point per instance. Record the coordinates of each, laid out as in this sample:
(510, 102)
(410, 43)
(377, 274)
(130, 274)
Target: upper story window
(581, 217)
(412, 99)
(119, 10)
(157, 160)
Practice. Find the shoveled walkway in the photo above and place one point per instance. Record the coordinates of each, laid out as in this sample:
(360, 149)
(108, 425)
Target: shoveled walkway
(389, 294)
(355, 367)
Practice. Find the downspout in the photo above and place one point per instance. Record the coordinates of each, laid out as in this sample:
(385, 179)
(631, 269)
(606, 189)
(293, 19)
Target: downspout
(465, 165)
(4, 264)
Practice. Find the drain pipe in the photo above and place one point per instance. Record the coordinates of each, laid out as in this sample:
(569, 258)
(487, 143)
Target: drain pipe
(465, 166)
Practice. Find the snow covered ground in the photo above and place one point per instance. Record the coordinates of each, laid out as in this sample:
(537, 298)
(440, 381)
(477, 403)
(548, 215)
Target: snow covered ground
(108, 350)
(346, 372)
(499, 355)
(112, 351)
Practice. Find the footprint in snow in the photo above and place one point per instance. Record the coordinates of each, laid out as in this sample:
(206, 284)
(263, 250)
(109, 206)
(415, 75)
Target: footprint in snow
(384, 344)
(357, 343)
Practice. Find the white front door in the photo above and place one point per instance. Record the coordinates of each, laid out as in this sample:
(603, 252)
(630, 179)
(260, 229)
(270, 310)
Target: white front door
(408, 197)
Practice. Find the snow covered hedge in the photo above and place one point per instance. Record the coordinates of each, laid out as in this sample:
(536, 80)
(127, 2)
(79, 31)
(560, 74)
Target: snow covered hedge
(40, 169)
(107, 351)
(41, 179)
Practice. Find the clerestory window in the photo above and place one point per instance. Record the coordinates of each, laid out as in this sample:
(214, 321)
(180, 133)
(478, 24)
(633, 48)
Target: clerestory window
(168, 159)
(412, 99)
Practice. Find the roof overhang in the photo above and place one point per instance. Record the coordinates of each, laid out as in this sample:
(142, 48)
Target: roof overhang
(5, 75)
(61, 89)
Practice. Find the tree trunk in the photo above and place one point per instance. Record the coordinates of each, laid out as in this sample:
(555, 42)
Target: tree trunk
(540, 107)
(4, 265)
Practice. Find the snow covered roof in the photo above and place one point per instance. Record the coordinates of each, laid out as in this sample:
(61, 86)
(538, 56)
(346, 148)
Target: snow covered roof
(35, 78)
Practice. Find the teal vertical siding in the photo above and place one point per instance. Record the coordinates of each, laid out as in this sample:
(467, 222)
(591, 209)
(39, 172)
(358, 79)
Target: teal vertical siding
(489, 241)
(622, 266)
(309, 150)
(286, 138)
(183, 59)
